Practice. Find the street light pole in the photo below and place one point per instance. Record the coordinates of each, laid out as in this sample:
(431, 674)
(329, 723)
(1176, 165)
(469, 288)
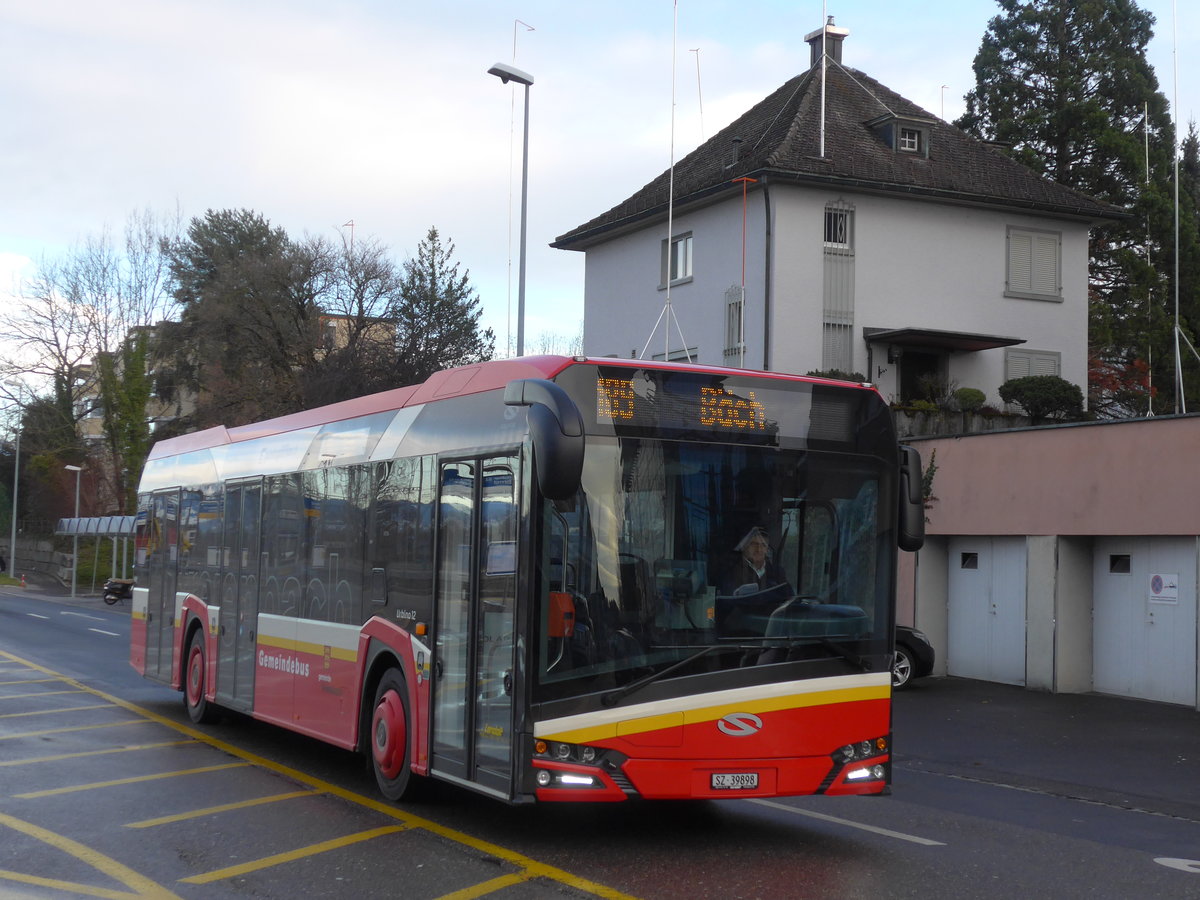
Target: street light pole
(78, 470)
(12, 541)
(507, 73)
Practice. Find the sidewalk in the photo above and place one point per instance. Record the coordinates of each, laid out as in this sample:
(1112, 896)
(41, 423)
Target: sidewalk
(1129, 753)
(45, 587)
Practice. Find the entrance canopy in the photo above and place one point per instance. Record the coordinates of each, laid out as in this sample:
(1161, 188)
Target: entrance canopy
(932, 339)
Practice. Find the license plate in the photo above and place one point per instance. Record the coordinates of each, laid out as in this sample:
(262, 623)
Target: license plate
(735, 781)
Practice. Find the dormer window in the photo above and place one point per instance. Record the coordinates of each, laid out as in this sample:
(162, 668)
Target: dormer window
(904, 134)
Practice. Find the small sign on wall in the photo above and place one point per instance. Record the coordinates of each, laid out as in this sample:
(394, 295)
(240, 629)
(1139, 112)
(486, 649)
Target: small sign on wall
(1164, 589)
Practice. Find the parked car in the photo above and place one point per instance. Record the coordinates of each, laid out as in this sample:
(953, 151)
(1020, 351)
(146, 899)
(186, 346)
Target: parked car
(914, 657)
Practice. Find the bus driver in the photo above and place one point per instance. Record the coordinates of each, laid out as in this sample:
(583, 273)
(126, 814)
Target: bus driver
(754, 567)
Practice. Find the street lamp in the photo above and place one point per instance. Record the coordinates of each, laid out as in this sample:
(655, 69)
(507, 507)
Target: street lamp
(12, 540)
(78, 470)
(506, 74)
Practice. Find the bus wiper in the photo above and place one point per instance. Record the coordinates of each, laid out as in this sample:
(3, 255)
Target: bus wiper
(612, 698)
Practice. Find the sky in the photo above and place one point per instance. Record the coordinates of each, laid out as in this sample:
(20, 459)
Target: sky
(381, 113)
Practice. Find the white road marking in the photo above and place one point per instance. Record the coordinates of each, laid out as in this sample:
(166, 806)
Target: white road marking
(102, 631)
(36, 616)
(1183, 865)
(898, 835)
(82, 616)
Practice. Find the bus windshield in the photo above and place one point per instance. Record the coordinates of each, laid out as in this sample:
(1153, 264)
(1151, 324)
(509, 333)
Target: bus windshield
(760, 555)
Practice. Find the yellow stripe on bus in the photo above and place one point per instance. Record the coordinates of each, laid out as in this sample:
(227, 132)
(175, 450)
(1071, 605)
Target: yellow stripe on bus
(644, 724)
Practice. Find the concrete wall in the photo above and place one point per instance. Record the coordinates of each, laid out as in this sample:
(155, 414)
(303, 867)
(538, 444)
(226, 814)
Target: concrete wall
(1131, 477)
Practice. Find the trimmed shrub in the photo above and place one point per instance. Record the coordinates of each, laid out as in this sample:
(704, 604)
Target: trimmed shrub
(838, 375)
(1044, 397)
(969, 399)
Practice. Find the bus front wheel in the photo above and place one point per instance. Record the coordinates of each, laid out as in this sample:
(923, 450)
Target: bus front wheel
(389, 736)
(195, 682)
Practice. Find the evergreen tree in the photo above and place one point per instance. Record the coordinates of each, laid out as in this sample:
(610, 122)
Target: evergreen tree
(1066, 85)
(437, 314)
(250, 319)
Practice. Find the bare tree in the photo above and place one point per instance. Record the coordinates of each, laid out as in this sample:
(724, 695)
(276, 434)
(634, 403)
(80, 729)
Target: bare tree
(552, 343)
(71, 342)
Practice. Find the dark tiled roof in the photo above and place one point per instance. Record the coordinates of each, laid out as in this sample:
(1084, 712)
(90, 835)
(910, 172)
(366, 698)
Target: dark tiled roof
(780, 139)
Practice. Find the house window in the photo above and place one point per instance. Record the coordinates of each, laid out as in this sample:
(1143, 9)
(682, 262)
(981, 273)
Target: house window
(676, 260)
(839, 227)
(969, 561)
(910, 140)
(1019, 363)
(1034, 264)
(837, 292)
(1118, 564)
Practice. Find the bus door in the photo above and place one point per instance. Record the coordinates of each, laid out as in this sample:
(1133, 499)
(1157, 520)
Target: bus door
(474, 658)
(161, 555)
(238, 594)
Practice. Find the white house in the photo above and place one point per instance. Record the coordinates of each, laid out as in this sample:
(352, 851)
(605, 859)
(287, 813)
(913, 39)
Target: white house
(854, 231)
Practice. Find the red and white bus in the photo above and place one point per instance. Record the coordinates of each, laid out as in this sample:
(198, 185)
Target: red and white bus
(516, 577)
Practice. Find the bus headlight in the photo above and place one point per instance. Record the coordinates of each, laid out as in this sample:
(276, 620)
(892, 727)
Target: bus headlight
(862, 750)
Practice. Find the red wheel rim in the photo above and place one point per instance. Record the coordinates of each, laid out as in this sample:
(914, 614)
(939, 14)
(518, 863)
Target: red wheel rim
(195, 676)
(388, 735)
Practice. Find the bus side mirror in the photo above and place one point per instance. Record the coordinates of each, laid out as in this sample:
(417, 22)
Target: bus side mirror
(556, 429)
(911, 536)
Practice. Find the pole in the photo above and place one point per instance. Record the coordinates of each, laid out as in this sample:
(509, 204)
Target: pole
(746, 182)
(75, 550)
(78, 470)
(12, 541)
(507, 73)
(524, 214)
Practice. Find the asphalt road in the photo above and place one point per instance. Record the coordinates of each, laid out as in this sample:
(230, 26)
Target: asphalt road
(999, 792)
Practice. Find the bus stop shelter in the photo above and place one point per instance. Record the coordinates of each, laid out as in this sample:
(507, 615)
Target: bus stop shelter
(115, 527)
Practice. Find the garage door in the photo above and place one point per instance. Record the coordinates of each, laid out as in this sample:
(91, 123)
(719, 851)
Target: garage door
(987, 609)
(1144, 618)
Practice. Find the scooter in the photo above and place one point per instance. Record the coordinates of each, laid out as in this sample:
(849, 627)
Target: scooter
(117, 589)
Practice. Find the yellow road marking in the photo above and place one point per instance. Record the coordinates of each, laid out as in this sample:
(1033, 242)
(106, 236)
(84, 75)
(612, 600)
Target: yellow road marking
(291, 855)
(139, 885)
(50, 712)
(29, 734)
(61, 756)
(530, 867)
(224, 807)
(29, 681)
(38, 694)
(486, 887)
(33, 795)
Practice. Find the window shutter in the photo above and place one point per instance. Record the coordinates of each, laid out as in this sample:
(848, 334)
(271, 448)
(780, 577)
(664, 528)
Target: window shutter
(1044, 275)
(1018, 364)
(1020, 253)
(1043, 364)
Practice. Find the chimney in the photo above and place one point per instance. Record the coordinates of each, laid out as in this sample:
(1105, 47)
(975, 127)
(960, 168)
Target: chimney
(833, 42)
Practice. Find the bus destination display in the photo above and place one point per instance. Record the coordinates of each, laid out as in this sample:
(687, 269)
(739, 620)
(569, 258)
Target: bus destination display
(686, 404)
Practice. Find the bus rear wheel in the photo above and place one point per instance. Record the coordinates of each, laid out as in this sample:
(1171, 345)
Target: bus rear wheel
(389, 737)
(195, 678)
